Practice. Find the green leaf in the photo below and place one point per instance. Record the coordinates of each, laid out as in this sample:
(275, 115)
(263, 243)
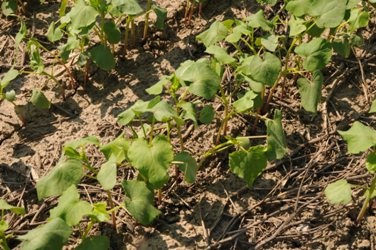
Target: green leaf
(220, 54)
(338, 192)
(4, 226)
(126, 7)
(189, 111)
(10, 95)
(8, 77)
(95, 243)
(258, 20)
(246, 102)
(70, 208)
(373, 107)
(207, 114)
(138, 108)
(203, 80)
(9, 7)
(358, 19)
(51, 235)
(117, 148)
(342, 47)
(161, 14)
(329, 13)
(359, 138)
(188, 165)
(5, 206)
(62, 176)
(317, 53)
(36, 62)
(39, 100)
(100, 213)
(65, 50)
(54, 34)
(82, 142)
(112, 32)
(310, 91)
(157, 88)
(163, 111)
(249, 164)
(267, 70)
(277, 147)
(237, 32)
(216, 32)
(270, 42)
(102, 56)
(152, 159)
(21, 33)
(371, 162)
(107, 175)
(139, 202)
(270, 2)
(82, 15)
(296, 25)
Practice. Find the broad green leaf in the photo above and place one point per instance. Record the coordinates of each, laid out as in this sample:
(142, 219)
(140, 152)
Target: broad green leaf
(316, 53)
(163, 111)
(102, 56)
(82, 142)
(61, 177)
(329, 13)
(157, 88)
(189, 111)
(373, 107)
(188, 165)
(139, 202)
(95, 243)
(100, 213)
(36, 62)
(54, 34)
(112, 32)
(66, 49)
(258, 20)
(338, 192)
(270, 42)
(237, 32)
(161, 14)
(220, 54)
(310, 91)
(9, 7)
(107, 174)
(207, 114)
(126, 7)
(202, 79)
(82, 15)
(70, 208)
(117, 148)
(249, 164)
(8, 77)
(246, 102)
(371, 162)
(5, 206)
(152, 159)
(51, 235)
(21, 33)
(39, 100)
(342, 47)
(358, 19)
(138, 108)
(296, 25)
(216, 32)
(359, 138)
(277, 147)
(10, 95)
(267, 70)
(4, 226)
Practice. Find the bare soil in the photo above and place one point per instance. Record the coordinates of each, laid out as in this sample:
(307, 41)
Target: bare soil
(286, 208)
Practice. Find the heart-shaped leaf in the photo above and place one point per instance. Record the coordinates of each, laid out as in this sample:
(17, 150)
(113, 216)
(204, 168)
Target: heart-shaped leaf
(82, 15)
(51, 235)
(246, 102)
(310, 91)
(102, 56)
(126, 7)
(248, 164)
(188, 165)
(107, 174)
(276, 137)
(216, 32)
(359, 138)
(139, 202)
(258, 20)
(316, 53)
(220, 54)
(152, 159)
(117, 148)
(62, 176)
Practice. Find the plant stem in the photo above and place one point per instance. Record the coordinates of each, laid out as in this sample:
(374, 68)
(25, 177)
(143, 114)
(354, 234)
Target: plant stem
(367, 200)
(87, 230)
(111, 203)
(146, 26)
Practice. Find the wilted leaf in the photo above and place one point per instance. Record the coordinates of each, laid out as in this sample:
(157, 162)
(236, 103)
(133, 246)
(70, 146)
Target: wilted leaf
(338, 192)
(188, 165)
(359, 138)
(8, 77)
(276, 139)
(39, 100)
(139, 202)
(54, 33)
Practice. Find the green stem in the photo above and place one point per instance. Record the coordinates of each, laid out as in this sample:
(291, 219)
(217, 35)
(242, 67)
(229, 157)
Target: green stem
(87, 230)
(146, 26)
(111, 203)
(367, 200)
(3, 242)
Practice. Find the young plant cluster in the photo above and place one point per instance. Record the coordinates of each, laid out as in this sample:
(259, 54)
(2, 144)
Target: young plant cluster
(247, 60)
